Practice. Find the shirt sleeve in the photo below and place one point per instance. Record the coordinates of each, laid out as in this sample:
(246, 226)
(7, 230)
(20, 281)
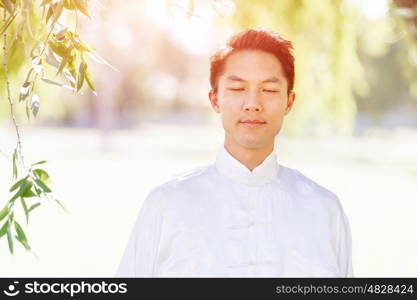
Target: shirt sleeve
(345, 247)
(139, 257)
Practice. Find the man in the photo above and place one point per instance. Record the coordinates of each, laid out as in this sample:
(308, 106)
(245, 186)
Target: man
(244, 215)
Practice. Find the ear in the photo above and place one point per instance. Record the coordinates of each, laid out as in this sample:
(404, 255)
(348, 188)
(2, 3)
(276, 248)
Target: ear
(213, 101)
(290, 102)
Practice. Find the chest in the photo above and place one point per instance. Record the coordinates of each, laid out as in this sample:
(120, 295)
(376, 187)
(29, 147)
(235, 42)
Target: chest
(252, 235)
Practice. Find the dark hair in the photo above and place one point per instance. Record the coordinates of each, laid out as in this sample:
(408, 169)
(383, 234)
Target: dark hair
(254, 39)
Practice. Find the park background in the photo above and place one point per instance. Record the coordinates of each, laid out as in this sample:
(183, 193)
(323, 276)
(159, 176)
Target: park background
(353, 128)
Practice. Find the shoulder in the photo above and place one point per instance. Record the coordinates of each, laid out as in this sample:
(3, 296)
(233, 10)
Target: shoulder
(307, 190)
(189, 180)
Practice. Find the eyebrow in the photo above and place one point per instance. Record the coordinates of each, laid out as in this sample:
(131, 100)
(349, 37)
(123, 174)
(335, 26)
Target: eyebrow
(237, 78)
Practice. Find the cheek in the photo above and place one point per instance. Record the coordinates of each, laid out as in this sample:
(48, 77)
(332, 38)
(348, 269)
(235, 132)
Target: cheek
(275, 112)
(273, 108)
(230, 107)
(228, 117)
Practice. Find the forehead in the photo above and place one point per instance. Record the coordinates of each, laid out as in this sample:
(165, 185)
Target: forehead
(252, 65)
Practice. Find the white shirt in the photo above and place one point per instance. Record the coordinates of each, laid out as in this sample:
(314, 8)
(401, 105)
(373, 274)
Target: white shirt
(223, 220)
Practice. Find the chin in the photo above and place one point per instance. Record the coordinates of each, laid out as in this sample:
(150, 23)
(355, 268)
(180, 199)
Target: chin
(252, 144)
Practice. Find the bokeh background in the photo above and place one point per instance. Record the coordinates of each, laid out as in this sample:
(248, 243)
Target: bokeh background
(353, 128)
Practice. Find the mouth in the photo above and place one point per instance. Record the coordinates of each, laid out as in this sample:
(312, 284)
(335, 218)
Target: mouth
(253, 123)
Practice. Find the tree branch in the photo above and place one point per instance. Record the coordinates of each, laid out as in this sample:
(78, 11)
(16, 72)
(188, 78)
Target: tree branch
(6, 72)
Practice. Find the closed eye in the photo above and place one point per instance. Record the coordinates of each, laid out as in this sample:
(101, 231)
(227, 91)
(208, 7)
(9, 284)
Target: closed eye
(236, 89)
(271, 91)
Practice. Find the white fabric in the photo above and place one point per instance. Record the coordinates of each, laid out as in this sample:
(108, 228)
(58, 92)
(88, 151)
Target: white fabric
(223, 220)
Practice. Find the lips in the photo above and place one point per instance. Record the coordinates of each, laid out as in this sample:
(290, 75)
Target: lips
(253, 123)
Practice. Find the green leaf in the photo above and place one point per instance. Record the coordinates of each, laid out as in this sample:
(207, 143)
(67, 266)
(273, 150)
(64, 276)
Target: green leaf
(8, 5)
(50, 58)
(35, 103)
(21, 236)
(28, 194)
(7, 23)
(39, 162)
(9, 237)
(4, 212)
(25, 208)
(25, 90)
(14, 164)
(28, 75)
(81, 75)
(34, 206)
(58, 48)
(43, 186)
(89, 80)
(72, 71)
(38, 191)
(64, 60)
(18, 184)
(27, 111)
(98, 59)
(82, 7)
(62, 206)
(42, 175)
(80, 45)
(63, 85)
(69, 76)
(49, 14)
(45, 2)
(3, 229)
(23, 188)
(57, 10)
(68, 4)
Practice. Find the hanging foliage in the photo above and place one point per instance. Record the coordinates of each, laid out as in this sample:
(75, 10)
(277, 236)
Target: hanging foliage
(34, 37)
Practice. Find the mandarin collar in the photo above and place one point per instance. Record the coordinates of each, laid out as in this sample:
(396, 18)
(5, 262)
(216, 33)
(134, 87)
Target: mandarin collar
(230, 167)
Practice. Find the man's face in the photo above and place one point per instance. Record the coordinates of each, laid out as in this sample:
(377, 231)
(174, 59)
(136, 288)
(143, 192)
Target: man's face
(252, 99)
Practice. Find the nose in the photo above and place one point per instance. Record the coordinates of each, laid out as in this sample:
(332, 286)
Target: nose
(252, 103)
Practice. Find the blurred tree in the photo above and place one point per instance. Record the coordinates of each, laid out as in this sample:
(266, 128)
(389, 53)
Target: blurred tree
(329, 71)
(405, 11)
(383, 48)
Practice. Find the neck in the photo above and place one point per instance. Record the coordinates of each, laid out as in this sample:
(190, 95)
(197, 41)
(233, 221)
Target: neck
(249, 157)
